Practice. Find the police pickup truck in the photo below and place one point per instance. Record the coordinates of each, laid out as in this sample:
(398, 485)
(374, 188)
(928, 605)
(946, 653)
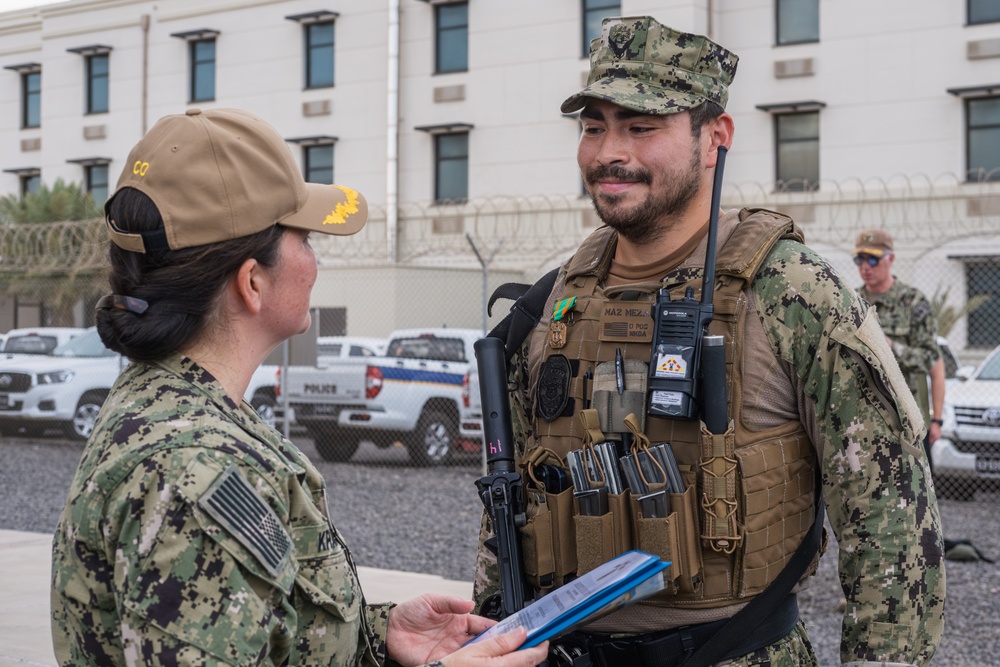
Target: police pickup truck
(417, 393)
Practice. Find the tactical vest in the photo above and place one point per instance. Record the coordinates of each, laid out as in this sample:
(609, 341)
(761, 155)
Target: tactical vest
(749, 495)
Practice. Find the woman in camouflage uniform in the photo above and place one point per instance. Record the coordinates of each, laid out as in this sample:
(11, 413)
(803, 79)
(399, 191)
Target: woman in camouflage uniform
(194, 533)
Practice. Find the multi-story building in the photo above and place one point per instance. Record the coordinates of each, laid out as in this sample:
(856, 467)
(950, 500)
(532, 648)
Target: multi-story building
(446, 115)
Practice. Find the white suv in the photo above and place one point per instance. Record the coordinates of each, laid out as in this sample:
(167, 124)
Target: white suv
(66, 389)
(36, 340)
(967, 455)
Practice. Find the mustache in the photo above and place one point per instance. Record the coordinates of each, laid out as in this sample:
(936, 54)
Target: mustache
(617, 173)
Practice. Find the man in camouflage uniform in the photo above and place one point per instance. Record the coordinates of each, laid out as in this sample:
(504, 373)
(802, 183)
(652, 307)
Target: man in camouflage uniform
(810, 363)
(908, 322)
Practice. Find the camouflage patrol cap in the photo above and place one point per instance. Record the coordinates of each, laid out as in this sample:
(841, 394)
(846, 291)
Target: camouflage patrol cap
(642, 65)
(874, 242)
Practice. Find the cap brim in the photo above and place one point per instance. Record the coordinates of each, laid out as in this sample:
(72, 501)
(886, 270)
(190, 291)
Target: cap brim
(874, 252)
(330, 209)
(627, 92)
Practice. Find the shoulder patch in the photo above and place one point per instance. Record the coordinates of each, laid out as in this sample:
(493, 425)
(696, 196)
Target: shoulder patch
(240, 510)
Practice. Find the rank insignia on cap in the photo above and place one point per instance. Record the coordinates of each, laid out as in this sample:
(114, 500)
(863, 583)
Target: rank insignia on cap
(243, 513)
(339, 215)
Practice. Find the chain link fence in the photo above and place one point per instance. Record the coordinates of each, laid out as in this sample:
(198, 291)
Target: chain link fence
(425, 272)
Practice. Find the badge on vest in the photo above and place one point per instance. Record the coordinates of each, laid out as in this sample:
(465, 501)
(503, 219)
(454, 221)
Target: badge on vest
(626, 322)
(553, 387)
(557, 328)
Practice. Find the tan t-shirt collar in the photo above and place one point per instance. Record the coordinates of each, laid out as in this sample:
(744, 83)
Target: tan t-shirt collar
(625, 274)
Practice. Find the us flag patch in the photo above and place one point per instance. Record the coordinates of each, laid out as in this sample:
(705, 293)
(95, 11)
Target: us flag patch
(240, 510)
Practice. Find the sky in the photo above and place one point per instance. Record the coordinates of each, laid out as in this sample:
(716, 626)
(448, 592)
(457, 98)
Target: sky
(8, 5)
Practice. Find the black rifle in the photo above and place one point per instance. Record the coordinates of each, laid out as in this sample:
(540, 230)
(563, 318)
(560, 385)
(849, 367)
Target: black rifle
(680, 358)
(502, 489)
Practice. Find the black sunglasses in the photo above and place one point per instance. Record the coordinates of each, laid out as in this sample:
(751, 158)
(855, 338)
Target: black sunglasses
(867, 259)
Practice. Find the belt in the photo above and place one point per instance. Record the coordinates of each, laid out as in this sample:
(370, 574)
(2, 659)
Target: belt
(670, 648)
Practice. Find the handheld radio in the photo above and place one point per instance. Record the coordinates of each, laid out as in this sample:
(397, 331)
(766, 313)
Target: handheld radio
(679, 326)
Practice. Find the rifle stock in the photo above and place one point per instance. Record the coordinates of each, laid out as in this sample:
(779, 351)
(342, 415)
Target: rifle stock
(501, 490)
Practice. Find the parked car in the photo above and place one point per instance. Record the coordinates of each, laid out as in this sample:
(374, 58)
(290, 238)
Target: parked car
(261, 394)
(66, 389)
(37, 340)
(341, 347)
(967, 455)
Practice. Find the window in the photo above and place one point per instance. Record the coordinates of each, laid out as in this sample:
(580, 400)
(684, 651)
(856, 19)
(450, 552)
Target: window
(318, 164)
(452, 28)
(95, 176)
(202, 70)
(317, 157)
(984, 11)
(31, 100)
(31, 93)
(319, 55)
(451, 167)
(30, 183)
(97, 182)
(984, 278)
(95, 75)
(201, 54)
(594, 13)
(797, 151)
(797, 21)
(317, 30)
(983, 138)
(97, 83)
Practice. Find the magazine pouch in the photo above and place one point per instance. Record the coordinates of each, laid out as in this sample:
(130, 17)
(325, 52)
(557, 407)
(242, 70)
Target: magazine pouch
(673, 535)
(547, 538)
(674, 539)
(601, 538)
(562, 508)
(538, 553)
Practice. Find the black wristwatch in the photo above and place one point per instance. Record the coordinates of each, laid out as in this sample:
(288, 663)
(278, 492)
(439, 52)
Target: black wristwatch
(939, 422)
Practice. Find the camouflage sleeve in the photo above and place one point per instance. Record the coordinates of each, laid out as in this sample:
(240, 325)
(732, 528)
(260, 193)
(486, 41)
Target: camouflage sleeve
(875, 480)
(378, 621)
(918, 351)
(185, 589)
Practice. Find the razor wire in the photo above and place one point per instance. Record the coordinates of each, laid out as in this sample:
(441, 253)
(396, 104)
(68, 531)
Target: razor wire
(536, 230)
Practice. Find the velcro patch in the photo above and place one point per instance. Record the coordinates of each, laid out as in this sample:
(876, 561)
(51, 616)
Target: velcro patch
(625, 322)
(243, 513)
(553, 387)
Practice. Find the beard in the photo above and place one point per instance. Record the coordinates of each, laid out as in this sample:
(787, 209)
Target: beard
(641, 223)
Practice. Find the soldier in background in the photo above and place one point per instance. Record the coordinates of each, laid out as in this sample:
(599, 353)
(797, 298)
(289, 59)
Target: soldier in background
(813, 387)
(194, 533)
(909, 325)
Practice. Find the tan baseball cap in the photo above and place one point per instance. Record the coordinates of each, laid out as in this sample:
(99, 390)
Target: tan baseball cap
(874, 242)
(640, 64)
(221, 174)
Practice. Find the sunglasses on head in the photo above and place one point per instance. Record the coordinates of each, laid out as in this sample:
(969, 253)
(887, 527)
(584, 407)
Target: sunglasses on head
(867, 259)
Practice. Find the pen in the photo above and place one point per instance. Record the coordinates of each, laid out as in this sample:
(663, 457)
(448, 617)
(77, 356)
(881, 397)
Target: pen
(619, 371)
